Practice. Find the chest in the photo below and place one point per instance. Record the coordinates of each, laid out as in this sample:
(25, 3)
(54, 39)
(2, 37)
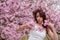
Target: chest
(37, 33)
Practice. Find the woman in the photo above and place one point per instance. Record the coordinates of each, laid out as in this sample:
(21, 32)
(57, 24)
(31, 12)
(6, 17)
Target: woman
(40, 31)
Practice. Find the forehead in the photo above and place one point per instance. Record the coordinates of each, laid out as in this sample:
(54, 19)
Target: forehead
(38, 14)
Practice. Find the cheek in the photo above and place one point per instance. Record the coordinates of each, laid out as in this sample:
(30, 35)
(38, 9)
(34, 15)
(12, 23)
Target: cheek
(39, 19)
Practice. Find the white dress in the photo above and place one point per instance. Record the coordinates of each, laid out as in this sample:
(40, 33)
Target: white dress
(36, 34)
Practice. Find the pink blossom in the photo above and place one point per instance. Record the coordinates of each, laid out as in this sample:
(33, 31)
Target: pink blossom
(13, 12)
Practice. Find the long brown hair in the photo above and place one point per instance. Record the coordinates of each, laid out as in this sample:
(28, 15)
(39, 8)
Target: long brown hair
(41, 13)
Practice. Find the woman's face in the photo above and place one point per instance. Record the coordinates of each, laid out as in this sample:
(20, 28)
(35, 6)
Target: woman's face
(39, 19)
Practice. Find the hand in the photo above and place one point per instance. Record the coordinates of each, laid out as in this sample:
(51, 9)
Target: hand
(51, 24)
(52, 32)
(24, 26)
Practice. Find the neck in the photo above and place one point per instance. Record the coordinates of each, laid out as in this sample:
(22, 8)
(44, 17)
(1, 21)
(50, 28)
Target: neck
(40, 24)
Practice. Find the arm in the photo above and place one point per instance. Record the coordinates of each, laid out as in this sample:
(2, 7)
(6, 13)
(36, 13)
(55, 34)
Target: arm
(24, 26)
(51, 32)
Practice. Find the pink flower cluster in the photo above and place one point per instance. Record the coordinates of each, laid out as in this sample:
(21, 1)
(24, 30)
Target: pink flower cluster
(14, 13)
(52, 11)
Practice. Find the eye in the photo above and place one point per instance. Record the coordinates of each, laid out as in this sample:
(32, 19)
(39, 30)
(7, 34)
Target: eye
(37, 16)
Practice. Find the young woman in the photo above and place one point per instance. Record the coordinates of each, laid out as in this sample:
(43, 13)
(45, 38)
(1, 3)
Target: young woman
(40, 31)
